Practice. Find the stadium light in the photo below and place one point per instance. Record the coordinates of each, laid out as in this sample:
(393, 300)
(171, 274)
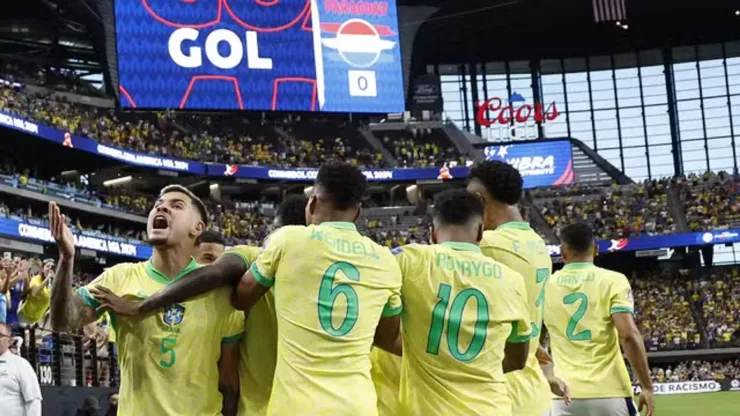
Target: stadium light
(117, 181)
(214, 187)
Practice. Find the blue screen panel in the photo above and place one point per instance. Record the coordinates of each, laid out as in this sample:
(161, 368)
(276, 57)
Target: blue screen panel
(292, 55)
(545, 163)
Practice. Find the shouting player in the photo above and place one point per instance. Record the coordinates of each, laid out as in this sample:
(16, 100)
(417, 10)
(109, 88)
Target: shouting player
(589, 311)
(169, 360)
(332, 289)
(511, 241)
(465, 318)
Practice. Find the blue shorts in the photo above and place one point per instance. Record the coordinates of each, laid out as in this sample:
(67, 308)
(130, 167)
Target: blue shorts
(3, 308)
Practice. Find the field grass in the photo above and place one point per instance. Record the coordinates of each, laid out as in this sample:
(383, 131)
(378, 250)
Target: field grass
(711, 404)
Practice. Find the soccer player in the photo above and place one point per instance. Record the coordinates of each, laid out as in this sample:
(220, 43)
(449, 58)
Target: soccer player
(465, 318)
(511, 241)
(336, 293)
(209, 246)
(589, 311)
(169, 360)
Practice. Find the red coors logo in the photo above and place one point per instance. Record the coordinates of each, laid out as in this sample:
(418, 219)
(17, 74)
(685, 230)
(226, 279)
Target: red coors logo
(516, 111)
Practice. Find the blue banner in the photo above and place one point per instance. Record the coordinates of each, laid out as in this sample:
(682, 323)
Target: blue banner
(292, 55)
(92, 146)
(309, 174)
(547, 163)
(13, 228)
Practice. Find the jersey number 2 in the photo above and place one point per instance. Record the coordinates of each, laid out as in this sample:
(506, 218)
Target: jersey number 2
(573, 322)
(328, 294)
(439, 313)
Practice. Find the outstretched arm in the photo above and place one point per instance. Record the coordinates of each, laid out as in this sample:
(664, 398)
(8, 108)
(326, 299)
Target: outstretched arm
(68, 310)
(225, 271)
(250, 290)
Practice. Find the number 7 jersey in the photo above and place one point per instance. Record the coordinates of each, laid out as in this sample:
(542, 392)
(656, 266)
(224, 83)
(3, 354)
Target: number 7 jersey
(331, 287)
(460, 309)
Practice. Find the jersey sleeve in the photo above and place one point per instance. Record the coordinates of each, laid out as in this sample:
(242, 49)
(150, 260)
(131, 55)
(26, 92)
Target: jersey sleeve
(620, 299)
(247, 254)
(233, 327)
(513, 306)
(264, 268)
(109, 279)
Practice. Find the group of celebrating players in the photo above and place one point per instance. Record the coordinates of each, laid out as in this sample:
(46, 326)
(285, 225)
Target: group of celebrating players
(323, 321)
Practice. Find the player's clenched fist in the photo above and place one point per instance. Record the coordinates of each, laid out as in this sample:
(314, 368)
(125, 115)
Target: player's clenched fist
(61, 233)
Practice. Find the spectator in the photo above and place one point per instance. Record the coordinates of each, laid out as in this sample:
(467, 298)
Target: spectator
(37, 294)
(112, 404)
(20, 393)
(90, 407)
(17, 271)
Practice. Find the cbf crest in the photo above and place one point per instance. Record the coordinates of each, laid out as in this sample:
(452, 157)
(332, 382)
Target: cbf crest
(173, 315)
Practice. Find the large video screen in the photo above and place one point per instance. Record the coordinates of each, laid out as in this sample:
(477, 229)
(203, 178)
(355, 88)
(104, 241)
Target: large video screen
(291, 55)
(544, 163)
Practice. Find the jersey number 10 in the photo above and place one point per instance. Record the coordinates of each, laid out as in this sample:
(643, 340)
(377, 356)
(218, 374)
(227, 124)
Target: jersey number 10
(454, 322)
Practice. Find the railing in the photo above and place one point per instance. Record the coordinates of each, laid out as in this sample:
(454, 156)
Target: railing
(67, 359)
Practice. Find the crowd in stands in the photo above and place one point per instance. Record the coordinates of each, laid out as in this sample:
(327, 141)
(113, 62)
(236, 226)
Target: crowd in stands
(421, 147)
(291, 142)
(717, 295)
(616, 212)
(697, 371)
(711, 201)
(663, 313)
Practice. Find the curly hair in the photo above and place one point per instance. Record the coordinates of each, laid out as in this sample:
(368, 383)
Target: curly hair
(456, 207)
(341, 183)
(500, 179)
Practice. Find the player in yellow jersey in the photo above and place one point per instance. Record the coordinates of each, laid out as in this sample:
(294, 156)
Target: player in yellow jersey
(332, 288)
(465, 318)
(169, 360)
(208, 247)
(511, 241)
(589, 312)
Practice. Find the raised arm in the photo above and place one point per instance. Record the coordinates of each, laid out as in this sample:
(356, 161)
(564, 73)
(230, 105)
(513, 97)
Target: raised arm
(68, 310)
(227, 270)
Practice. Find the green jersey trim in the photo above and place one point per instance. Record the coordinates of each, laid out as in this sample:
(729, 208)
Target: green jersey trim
(461, 246)
(389, 312)
(260, 278)
(513, 337)
(159, 277)
(342, 225)
(621, 309)
(515, 225)
(232, 339)
(577, 266)
(88, 298)
(244, 258)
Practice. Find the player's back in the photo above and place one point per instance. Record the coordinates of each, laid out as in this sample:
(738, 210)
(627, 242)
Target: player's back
(518, 246)
(459, 306)
(581, 299)
(331, 286)
(175, 350)
(258, 349)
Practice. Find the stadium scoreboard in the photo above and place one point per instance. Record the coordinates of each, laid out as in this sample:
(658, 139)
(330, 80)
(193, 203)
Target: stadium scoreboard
(267, 55)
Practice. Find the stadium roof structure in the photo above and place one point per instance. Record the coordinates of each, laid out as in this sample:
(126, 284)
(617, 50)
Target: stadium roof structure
(485, 30)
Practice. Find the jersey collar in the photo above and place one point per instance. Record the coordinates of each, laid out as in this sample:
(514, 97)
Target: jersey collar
(159, 277)
(461, 246)
(514, 225)
(577, 266)
(342, 225)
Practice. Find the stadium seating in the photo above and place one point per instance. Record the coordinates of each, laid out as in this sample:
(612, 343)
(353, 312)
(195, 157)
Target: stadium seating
(696, 371)
(711, 201)
(717, 296)
(420, 148)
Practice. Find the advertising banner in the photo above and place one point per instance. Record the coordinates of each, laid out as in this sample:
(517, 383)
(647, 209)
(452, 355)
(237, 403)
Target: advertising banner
(547, 163)
(309, 175)
(427, 94)
(671, 240)
(292, 55)
(687, 387)
(13, 228)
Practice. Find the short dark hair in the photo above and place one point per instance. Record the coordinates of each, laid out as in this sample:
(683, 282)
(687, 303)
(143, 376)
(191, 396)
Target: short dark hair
(578, 237)
(501, 180)
(292, 211)
(210, 236)
(342, 183)
(196, 201)
(456, 207)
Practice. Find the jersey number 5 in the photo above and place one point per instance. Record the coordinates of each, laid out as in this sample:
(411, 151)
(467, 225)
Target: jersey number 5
(439, 313)
(328, 294)
(168, 347)
(573, 322)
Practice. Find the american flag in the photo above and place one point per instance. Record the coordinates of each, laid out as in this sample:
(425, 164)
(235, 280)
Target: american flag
(609, 10)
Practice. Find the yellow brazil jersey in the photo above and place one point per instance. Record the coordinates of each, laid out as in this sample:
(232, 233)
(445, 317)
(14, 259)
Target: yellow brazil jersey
(580, 302)
(460, 309)
(168, 359)
(32, 310)
(331, 287)
(258, 349)
(386, 374)
(516, 245)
